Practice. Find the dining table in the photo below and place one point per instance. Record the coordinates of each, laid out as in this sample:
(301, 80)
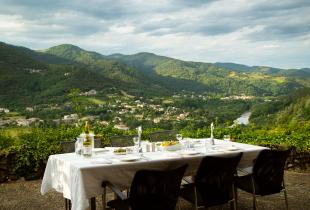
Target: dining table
(79, 178)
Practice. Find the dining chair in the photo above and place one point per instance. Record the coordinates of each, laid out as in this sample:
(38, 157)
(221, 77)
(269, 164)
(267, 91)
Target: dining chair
(267, 177)
(163, 135)
(213, 183)
(121, 141)
(69, 146)
(150, 190)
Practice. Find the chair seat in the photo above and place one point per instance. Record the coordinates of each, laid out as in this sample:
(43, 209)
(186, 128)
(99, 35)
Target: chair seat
(188, 193)
(155, 203)
(213, 182)
(245, 183)
(119, 204)
(150, 190)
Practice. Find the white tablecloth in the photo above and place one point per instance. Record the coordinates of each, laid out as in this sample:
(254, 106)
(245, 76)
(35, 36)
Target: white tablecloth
(80, 178)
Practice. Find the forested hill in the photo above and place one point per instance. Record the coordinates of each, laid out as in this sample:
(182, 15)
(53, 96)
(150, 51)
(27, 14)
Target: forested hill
(178, 75)
(303, 73)
(293, 109)
(30, 77)
(229, 79)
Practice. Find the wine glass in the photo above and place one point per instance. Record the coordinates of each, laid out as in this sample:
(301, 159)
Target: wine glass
(181, 140)
(136, 142)
(227, 138)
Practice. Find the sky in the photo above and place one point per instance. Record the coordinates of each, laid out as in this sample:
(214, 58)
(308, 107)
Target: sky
(252, 32)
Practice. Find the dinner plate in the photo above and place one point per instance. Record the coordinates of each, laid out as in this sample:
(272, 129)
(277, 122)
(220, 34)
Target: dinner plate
(232, 149)
(119, 153)
(171, 148)
(189, 152)
(101, 161)
(100, 150)
(130, 159)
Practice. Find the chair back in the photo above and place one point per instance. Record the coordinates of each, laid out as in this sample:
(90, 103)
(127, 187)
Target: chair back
(215, 178)
(268, 170)
(121, 141)
(97, 143)
(154, 190)
(67, 146)
(163, 135)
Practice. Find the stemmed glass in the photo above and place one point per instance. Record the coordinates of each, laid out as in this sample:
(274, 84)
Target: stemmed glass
(136, 142)
(181, 140)
(227, 138)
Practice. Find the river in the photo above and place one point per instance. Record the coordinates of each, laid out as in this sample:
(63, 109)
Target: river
(243, 119)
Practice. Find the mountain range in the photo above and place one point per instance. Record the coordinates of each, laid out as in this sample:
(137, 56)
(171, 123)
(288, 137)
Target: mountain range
(29, 77)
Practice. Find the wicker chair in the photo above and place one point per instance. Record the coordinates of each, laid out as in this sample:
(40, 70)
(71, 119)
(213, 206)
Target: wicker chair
(163, 135)
(121, 141)
(150, 189)
(267, 176)
(69, 146)
(214, 182)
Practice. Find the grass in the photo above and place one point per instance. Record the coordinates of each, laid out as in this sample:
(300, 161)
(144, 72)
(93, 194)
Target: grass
(168, 101)
(96, 101)
(12, 114)
(14, 132)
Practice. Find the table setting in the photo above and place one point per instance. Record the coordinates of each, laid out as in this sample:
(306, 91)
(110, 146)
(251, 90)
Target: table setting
(78, 177)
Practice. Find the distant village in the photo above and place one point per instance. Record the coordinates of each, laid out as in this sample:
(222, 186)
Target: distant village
(119, 111)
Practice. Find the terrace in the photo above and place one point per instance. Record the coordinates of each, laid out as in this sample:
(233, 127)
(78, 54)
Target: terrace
(26, 195)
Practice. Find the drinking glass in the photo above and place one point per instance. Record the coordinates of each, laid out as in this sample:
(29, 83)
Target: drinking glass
(136, 142)
(227, 138)
(181, 140)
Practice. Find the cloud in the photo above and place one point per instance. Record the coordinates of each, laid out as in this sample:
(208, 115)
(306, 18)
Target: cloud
(261, 32)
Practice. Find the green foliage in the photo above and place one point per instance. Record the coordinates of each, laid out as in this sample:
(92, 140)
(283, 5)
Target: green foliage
(6, 141)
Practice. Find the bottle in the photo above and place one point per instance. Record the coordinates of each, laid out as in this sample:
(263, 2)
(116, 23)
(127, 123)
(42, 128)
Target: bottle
(87, 142)
(78, 146)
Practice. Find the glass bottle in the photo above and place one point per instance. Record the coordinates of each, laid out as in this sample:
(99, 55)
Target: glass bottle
(87, 142)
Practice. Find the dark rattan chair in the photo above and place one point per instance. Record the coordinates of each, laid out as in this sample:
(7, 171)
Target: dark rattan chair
(150, 190)
(121, 141)
(163, 135)
(69, 146)
(267, 176)
(214, 182)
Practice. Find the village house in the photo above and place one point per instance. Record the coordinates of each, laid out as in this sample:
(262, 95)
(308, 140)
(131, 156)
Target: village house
(4, 110)
(29, 109)
(121, 126)
(70, 117)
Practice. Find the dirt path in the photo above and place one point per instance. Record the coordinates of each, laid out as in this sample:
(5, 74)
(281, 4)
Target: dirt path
(26, 195)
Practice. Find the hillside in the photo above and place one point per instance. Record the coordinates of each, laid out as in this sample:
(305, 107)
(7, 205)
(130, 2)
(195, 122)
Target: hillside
(291, 109)
(36, 77)
(299, 73)
(228, 79)
(29, 77)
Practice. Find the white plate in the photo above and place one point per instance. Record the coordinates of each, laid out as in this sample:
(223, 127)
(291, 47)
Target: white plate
(189, 152)
(101, 161)
(232, 149)
(100, 150)
(171, 148)
(120, 153)
(130, 159)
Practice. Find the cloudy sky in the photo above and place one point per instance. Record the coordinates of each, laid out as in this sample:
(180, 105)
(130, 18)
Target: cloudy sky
(253, 32)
